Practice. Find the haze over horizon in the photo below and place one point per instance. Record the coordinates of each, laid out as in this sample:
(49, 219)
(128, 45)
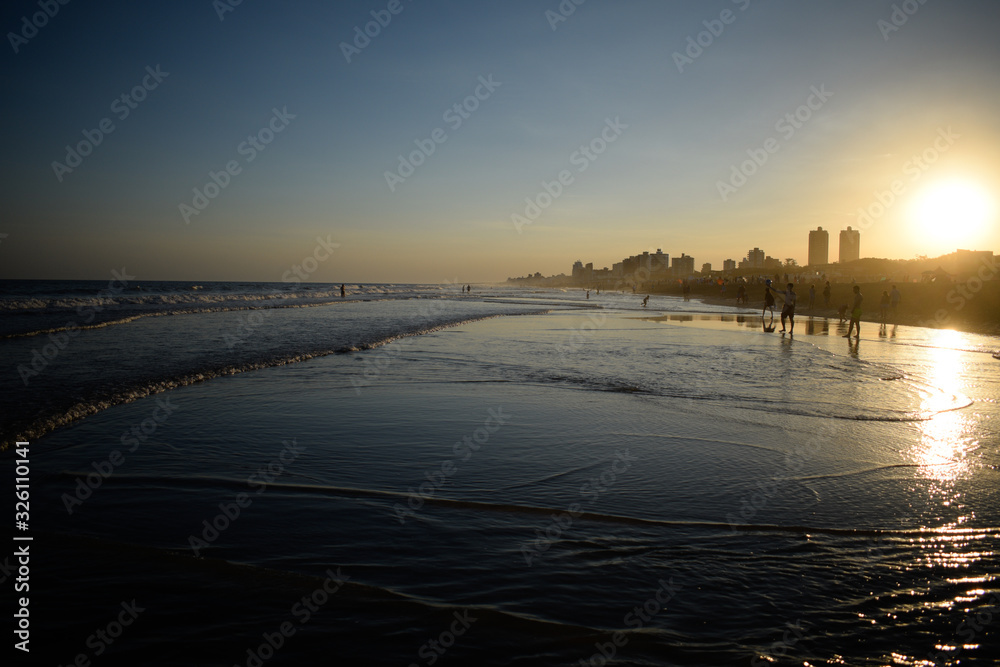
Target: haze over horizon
(786, 116)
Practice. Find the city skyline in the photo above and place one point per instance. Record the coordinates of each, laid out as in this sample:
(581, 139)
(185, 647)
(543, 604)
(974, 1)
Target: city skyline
(526, 128)
(755, 258)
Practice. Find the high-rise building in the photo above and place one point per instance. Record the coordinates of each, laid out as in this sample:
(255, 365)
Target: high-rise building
(850, 245)
(706, 268)
(729, 265)
(819, 247)
(755, 258)
(683, 266)
(578, 276)
(660, 262)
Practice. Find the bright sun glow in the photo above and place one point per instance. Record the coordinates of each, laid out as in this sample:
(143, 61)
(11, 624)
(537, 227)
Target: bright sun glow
(952, 214)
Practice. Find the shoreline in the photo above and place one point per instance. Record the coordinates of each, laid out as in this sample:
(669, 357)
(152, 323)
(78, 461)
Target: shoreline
(831, 314)
(923, 305)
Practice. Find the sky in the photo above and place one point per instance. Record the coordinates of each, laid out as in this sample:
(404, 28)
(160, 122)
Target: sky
(472, 141)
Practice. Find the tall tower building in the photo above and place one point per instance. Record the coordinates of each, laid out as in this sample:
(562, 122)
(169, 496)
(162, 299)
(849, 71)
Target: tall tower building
(683, 266)
(850, 245)
(755, 258)
(819, 247)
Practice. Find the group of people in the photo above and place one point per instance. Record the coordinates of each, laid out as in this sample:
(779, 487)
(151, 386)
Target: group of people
(889, 301)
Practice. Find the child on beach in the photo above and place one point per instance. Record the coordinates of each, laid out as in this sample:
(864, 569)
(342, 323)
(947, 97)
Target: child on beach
(768, 302)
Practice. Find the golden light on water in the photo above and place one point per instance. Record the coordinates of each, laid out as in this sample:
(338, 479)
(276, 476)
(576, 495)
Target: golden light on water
(944, 444)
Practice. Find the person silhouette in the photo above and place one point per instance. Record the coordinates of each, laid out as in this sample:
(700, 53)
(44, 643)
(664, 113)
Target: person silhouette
(788, 309)
(768, 302)
(856, 313)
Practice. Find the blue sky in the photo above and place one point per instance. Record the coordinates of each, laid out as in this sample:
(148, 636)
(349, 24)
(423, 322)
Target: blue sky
(889, 95)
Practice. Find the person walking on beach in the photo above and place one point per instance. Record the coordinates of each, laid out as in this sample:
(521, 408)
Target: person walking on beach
(826, 295)
(788, 310)
(894, 296)
(645, 301)
(812, 296)
(856, 313)
(343, 292)
(883, 306)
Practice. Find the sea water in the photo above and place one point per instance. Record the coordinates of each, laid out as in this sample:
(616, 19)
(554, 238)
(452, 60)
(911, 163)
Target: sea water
(413, 475)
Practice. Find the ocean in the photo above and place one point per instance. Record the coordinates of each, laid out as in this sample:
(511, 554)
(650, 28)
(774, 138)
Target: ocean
(272, 474)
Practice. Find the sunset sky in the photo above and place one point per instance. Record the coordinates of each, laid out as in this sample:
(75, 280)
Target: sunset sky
(839, 101)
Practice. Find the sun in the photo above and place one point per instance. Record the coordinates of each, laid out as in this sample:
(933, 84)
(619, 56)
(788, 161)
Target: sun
(952, 214)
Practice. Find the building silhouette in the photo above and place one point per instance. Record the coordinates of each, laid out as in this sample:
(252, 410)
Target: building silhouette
(683, 266)
(754, 260)
(729, 265)
(660, 262)
(819, 247)
(850, 245)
